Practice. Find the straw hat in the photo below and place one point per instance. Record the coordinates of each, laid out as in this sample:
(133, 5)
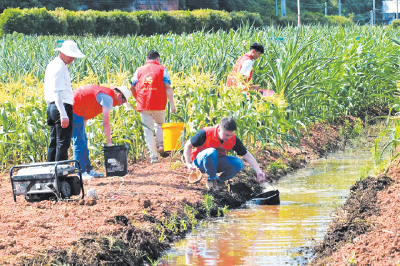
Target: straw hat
(70, 48)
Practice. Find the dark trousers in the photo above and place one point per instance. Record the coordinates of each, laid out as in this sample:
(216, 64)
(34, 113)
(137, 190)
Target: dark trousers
(60, 138)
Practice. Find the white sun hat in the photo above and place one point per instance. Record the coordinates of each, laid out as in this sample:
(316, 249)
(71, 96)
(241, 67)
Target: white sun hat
(70, 48)
(127, 94)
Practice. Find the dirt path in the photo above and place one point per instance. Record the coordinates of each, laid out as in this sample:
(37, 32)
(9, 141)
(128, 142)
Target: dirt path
(136, 217)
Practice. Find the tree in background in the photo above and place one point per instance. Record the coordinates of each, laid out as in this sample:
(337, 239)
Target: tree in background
(49, 4)
(266, 8)
(197, 4)
(106, 5)
(70, 5)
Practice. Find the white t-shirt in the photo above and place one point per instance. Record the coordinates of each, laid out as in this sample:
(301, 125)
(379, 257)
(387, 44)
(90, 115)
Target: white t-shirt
(247, 66)
(57, 79)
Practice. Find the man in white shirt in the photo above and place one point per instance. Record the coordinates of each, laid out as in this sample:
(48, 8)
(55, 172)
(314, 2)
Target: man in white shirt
(243, 70)
(59, 99)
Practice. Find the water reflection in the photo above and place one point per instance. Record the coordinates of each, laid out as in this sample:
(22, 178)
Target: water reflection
(272, 235)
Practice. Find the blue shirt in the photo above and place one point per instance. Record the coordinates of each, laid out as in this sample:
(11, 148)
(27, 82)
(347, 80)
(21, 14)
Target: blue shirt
(106, 101)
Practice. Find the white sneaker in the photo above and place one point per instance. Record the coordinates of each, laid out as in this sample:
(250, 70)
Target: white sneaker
(154, 160)
(86, 176)
(211, 184)
(95, 174)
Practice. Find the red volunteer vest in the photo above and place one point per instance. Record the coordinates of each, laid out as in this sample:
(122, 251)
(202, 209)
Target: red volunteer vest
(236, 70)
(212, 141)
(85, 103)
(150, 89)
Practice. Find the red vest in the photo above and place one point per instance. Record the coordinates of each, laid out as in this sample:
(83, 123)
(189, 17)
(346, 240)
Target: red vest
(212, 141)
(150, 89)
(236, 70)
(85, 103)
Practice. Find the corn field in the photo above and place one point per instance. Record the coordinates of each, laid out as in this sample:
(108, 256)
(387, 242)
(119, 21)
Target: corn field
(318, 74)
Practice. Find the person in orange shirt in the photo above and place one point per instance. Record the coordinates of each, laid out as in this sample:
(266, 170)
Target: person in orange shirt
(151, 87)
(243, 69)
(90, 101)
(208, 151)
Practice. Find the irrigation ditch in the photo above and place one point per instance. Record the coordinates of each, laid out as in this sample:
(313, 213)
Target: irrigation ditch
(134, 225)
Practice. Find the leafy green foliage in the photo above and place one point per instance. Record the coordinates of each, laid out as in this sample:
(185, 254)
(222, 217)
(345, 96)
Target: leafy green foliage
(266, 8)
(70, 5)
(395, 24)
(208, 203)
(339, 20)
(240, 18)
(357, 10)
(60, 21)
(313, 18)
(196, 4)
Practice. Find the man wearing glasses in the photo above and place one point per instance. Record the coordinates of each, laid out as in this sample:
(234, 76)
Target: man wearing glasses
(89, 101)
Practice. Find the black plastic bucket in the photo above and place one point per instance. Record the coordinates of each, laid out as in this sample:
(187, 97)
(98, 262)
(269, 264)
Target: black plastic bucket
(115, 160)
(267, 198)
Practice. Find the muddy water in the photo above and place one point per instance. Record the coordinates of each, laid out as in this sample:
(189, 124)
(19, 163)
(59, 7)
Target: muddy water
(276, 235)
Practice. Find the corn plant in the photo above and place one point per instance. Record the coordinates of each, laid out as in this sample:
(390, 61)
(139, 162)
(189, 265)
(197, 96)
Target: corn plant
(318, 74)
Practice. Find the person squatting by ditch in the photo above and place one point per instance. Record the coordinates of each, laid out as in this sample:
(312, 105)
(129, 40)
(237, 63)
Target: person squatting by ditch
(208, 151)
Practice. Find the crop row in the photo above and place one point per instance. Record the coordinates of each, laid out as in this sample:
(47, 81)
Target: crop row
(318, 74)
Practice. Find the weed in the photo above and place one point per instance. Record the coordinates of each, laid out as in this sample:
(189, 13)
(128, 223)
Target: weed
(222, 211)
(161, 230)
(275, 166)
(171, 223)
(191, 215)
(175, 165)
(154, 262)
(365, 171)
(357, 128)
(208, 203)
(345, 130)
(182, 225)
(352, 260)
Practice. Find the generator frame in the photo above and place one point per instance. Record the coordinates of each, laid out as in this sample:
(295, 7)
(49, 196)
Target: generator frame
(54, 178)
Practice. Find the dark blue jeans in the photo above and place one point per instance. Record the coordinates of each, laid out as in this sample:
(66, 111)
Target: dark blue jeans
(79, 140)
(208, 162)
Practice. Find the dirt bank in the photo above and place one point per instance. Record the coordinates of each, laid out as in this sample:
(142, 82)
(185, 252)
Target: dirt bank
(366, 230)
(136, 217)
